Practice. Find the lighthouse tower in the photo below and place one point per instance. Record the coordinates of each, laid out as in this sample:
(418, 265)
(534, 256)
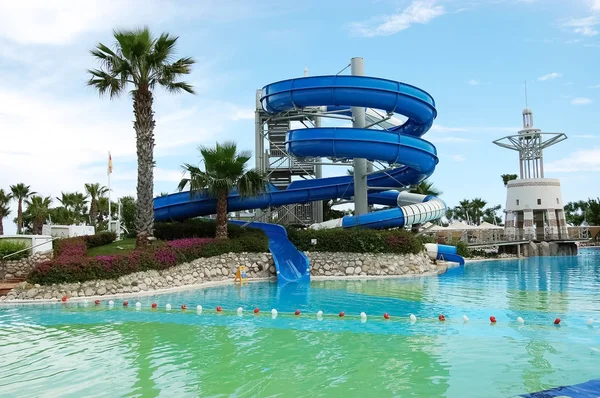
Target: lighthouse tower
(534, 206)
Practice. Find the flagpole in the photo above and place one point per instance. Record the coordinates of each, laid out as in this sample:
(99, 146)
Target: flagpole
(108, 173)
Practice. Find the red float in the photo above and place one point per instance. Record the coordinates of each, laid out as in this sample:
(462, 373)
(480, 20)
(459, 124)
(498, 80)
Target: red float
(493, 319)
(125, 303)
(219, 309)
(297, 312)
(386, 315)
(441, 317)
(557, 321)
(256, 310)
(154, 305)
(64, 298)
(342, 314)
(97, 302)
(183, 307)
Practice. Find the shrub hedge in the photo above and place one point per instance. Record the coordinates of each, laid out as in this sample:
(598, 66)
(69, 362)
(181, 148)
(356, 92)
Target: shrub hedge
(72, 265)
(196, 228)
(10, 246)
(84, 242)
(356, 240)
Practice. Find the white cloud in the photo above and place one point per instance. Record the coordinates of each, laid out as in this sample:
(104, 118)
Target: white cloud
(581, 101)
(59, 22)
(438, 128)
(594, 5)
(583, 26)
(584, 160)
(474, 82)
(458, 158)
(595, 87)
(549, 76)
(418, 12)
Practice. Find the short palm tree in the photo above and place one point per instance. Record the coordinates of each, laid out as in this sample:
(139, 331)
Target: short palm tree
(38, 209)
(5, 198)
(95, 191)
(20, 192)
(144, 62)
(508, 177)
(224, 170)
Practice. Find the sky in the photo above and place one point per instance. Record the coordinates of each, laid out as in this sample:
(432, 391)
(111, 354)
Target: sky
(472, 56)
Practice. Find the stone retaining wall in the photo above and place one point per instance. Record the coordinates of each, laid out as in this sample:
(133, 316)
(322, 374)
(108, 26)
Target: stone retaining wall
(21, 268)
(223, 267)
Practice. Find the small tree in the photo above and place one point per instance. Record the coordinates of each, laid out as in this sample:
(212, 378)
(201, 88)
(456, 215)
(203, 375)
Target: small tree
(95, 191)
(5, 198)
(20, 192)
(224, 170)
(508, 177)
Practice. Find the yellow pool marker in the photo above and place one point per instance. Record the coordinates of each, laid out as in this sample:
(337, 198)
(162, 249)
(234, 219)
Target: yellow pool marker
(241, 275)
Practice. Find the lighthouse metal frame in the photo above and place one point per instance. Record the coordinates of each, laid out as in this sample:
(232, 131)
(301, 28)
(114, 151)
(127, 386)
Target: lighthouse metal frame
(530, 144)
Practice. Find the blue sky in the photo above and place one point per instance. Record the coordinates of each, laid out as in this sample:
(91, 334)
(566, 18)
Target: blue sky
(471, 56)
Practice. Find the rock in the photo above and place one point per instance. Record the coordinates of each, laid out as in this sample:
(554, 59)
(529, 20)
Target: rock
(89, 291)
(31, 293)
(225, 272)
(357, 270)
(143, 286)
(350, 271)
(135, 289)
(101, 291)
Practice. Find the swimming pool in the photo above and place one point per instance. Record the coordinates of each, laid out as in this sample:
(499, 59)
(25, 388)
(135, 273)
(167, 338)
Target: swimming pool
(74, 350)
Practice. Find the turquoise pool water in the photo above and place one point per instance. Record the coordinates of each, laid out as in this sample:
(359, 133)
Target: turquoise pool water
(74, 350)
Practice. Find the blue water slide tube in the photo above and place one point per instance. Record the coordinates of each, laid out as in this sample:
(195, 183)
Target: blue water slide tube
(397, 145)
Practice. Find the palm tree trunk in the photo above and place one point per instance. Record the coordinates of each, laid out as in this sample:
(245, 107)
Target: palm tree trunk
(144, 130)
(20, 217)
(1, 224)
(222, 215)
(93, 212)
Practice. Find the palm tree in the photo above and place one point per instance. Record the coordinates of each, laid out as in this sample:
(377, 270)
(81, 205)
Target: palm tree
(144, 62)
(5, 198)
(95, 191)
(224, 170)
(38, 209)
(426, 188)
(508, 177)
(20, 192)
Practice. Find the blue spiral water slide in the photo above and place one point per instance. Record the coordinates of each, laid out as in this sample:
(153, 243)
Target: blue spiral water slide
(399, 145)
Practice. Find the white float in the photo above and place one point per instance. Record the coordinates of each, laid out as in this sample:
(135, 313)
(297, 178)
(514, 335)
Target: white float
(168, 307)
(520, 320)
(465, 319)
(590, 322)
(138, 305)
(199, 309)
(240, 311)
(111, 303)
(320, 315)
(363, 317)
(274, 313)
(413, 318)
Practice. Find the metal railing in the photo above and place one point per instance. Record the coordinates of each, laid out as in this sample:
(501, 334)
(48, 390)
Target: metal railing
(30, 248)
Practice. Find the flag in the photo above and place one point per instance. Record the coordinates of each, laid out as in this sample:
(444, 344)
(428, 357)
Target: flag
(109, 164)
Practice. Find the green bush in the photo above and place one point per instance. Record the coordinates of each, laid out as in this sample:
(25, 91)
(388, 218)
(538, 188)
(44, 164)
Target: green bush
(10, 246)
(195, 228)
(100, 239)
(462, 249)
(356, 240)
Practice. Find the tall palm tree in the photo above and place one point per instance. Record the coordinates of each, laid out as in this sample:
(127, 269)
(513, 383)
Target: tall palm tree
(144, 62)
(95, 191)
(426, 188)
(224, 170)
(20, 192)
(5, 198)
(38, 209)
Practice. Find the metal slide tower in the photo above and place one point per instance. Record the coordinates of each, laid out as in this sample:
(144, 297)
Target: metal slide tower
(281, 167)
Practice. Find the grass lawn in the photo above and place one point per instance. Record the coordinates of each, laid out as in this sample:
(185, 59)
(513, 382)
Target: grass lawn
(117, 247)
